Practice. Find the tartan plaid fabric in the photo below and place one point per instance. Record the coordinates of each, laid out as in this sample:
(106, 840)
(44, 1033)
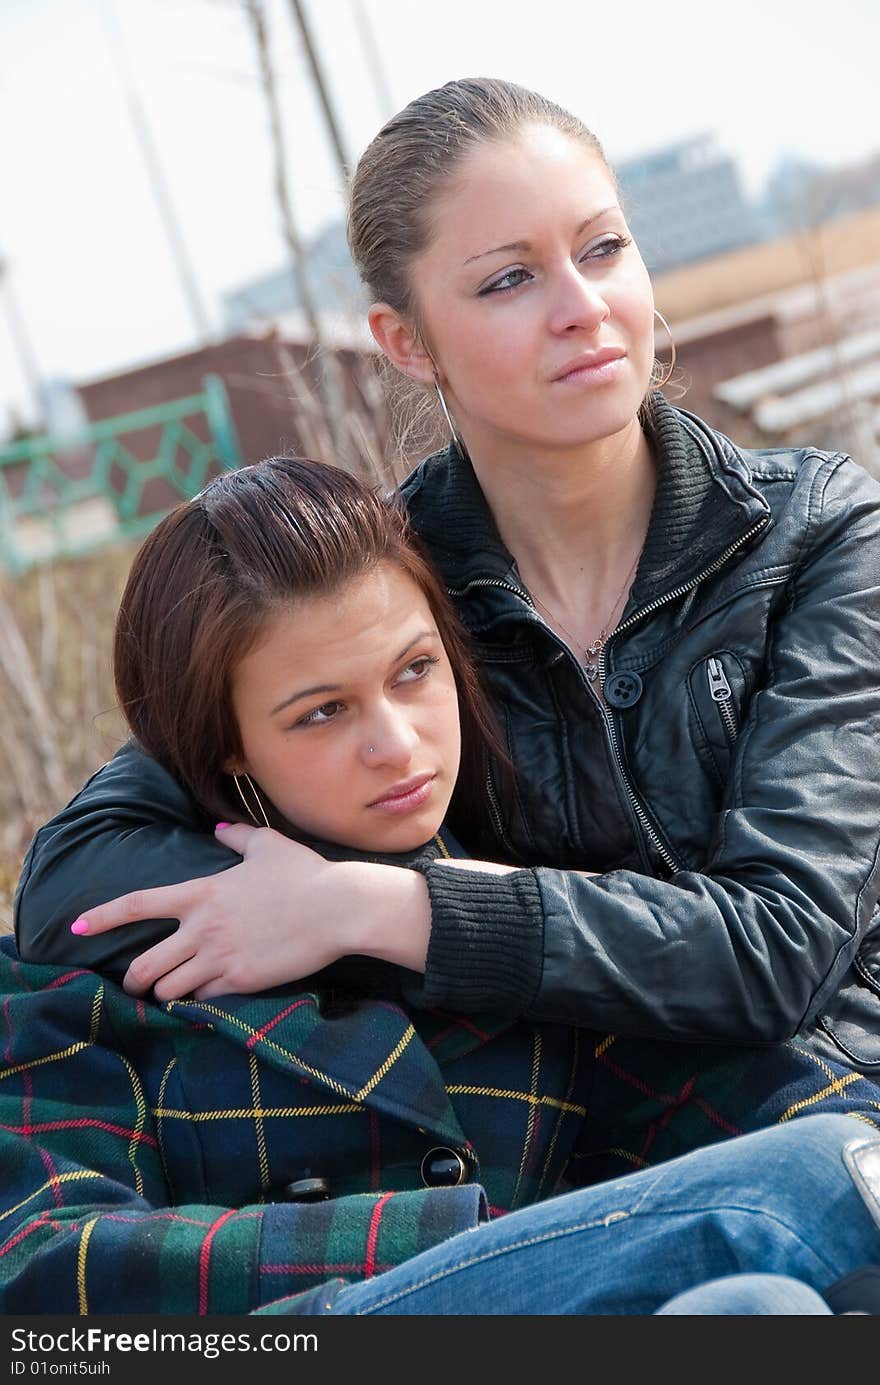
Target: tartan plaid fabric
(653, 1101)
(145, 1148)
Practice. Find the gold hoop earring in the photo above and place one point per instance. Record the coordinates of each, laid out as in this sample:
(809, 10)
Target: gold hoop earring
(247, 807)
(659, 384)
(449, 420)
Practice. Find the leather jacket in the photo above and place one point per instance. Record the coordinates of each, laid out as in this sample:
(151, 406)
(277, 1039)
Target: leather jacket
(726, 797)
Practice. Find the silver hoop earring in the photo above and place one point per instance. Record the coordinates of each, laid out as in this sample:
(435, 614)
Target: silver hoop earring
(247, 807)
(462, 451)
(659, 384)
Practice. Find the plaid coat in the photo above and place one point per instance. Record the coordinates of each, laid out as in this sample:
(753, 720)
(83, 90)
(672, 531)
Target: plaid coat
(145, 1148)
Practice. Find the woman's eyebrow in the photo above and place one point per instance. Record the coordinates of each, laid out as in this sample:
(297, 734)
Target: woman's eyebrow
(335, 687)
(526, 245)
(428, 633)
(306, 692)
(497, 249)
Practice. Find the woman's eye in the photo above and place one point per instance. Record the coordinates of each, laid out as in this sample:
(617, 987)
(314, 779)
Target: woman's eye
(319, 715)
(418, 669)
(608, 245)
(511, 279)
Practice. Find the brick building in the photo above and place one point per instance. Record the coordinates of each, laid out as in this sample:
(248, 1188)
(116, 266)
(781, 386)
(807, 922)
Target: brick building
(810, 300)
(273, 389)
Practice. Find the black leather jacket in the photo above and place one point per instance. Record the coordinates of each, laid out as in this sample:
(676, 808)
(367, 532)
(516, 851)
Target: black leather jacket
(727, 797)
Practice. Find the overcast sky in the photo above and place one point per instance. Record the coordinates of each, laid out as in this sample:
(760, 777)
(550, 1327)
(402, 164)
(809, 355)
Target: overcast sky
(95, 283)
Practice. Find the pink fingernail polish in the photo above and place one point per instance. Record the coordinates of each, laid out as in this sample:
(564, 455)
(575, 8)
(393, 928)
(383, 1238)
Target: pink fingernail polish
(221, 825)
(79, 926)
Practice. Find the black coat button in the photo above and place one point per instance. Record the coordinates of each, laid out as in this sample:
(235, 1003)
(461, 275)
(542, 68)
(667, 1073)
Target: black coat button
(623, 689)
(307, 1190)
(446, 1168)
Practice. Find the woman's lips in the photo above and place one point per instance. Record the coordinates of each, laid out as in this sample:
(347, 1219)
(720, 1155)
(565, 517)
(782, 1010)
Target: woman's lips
(402, 798)
(587, 372)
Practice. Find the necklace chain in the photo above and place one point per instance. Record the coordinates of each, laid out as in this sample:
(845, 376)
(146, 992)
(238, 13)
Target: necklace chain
(595, 647)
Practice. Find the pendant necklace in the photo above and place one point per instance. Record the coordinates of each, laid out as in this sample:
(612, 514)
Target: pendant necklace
(594, 649)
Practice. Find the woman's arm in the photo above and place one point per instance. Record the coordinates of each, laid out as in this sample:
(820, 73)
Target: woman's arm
(253, 926)
(130, 827)
(241, 932)
(281, 914)
(246, 899)
(132, 836)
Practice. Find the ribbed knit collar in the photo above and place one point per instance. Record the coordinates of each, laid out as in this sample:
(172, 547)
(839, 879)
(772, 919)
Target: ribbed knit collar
(443, 843)
(703, 504)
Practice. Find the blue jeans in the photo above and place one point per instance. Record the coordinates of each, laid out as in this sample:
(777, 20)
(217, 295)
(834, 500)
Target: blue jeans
(780, 1202)
(754, 1295)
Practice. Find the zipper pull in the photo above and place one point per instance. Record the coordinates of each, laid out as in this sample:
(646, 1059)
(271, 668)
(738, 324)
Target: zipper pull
(719, 688)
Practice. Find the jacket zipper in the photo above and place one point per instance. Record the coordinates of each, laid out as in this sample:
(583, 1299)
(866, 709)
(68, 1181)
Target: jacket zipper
(662, 850)
(493, 582)
(650, 832)
(719, 691)
(495, 814)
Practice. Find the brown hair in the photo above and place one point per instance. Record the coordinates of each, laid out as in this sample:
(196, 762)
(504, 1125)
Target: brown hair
(216, 568)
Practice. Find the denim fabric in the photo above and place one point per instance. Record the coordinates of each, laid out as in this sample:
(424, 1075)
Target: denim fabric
(748, 1295)
(776, 1202)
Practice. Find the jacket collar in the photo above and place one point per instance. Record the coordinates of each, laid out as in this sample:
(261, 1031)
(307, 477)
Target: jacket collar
(705, 502)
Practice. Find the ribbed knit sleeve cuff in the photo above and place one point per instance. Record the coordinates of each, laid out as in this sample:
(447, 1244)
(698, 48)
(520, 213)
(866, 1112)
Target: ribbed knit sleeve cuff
(487, 941)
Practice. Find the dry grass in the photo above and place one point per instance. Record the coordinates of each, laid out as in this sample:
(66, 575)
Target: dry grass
(58, 720)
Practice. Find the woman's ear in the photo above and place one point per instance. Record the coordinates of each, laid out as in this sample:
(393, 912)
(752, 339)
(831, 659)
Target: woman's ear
(399, 340)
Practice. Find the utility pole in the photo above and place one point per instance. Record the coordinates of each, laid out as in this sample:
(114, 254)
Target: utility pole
(370, 51)
(184, 268)
(322, 89)
(21, 341)
(329, 381)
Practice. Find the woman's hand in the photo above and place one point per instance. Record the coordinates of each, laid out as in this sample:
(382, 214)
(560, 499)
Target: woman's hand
(282, 914)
